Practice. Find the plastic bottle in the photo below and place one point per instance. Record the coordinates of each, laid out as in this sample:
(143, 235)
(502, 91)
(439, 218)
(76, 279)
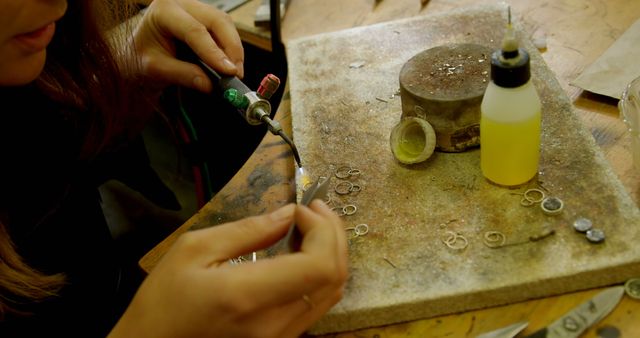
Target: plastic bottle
(510, 117)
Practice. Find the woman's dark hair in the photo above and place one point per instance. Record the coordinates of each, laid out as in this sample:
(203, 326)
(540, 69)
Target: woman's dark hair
(81, 75)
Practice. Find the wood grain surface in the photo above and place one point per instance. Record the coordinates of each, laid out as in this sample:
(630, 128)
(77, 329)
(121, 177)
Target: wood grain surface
(577, 32)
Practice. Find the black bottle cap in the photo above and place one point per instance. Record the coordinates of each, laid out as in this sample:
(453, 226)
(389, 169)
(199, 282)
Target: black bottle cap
(510, 69)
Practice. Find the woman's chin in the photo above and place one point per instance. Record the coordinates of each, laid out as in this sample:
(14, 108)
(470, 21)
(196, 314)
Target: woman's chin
(22, 70)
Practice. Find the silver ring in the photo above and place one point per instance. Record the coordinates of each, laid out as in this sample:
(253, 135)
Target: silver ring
(361, 229)
(526, 202)
(494, 239)
(339, 211)
(339, 189)
(354, 172)
(349, 209)
(534, 200)
(453, 238)
(343, 172)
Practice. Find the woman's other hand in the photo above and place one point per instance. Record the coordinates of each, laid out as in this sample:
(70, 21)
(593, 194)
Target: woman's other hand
(209, 32)
(195, 292)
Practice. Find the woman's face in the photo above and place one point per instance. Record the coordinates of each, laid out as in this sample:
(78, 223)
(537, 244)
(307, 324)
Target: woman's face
(26, 28)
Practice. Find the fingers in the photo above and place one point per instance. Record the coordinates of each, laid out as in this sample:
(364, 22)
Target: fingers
(283, 295)
(320, 263)
(293, 318)
(318, 228)
(341, 239)
(311, 313)
(209, 32)
(167, 69)
(223, 32)
(218, 244)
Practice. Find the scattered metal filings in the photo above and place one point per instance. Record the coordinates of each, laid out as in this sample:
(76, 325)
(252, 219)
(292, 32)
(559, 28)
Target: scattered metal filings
(582, 224)
(444, 224)
(390, 262)
(595, 236)
(357, 64)
(542, 235)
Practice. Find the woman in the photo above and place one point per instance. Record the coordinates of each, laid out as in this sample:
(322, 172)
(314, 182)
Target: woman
(76, 74)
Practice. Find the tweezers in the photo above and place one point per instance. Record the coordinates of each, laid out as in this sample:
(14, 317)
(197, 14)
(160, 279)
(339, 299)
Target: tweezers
(317, 190)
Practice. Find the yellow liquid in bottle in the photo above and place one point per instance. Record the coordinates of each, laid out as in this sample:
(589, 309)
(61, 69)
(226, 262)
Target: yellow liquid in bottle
(509, 151)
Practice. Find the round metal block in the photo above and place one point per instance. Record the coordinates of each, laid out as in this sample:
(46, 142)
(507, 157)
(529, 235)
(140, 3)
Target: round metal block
(595, 236)
(582, 224)
(445, 85)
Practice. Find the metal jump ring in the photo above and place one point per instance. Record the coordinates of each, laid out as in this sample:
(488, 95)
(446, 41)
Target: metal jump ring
(361, 229)
(339, 211)
(526, 202)
(494, 239)
(349, 209)
(354, 172)
(534, 200)
(343, 172)
(328, 200)
(340, 190)
(355, 188)
(453, 239)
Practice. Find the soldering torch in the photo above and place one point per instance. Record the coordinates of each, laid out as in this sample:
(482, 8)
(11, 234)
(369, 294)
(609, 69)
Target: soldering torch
(252, 105)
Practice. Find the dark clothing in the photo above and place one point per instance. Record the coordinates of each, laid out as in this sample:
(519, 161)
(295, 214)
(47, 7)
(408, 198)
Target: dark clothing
(50, 204)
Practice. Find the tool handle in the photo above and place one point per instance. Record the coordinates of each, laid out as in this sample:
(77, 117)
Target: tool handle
(224, 81)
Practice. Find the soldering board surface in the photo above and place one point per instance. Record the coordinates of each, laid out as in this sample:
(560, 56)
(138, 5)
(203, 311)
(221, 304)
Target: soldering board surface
(344, 104)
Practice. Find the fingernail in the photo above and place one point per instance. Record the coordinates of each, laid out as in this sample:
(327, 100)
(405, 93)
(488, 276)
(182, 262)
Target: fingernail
(284, 213)
(198, 82)
(229, 64)
(240, 68)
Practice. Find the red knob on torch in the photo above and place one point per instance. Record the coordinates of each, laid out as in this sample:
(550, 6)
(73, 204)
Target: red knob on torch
(268, 86)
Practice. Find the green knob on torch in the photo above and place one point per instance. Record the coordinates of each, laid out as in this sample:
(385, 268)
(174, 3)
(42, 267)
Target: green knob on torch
(236, 99)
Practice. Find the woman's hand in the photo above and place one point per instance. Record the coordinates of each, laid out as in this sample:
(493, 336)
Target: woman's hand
(195, 292)
(209, 32)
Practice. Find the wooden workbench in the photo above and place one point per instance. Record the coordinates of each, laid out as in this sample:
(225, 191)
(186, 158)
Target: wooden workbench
(577, 33)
